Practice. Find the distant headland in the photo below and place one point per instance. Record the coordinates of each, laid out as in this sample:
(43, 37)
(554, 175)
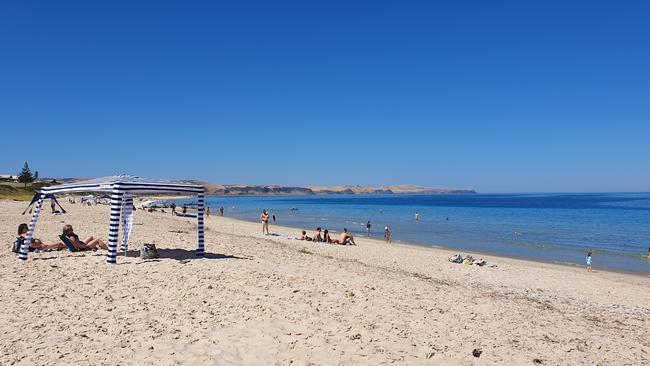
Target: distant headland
(243, 189)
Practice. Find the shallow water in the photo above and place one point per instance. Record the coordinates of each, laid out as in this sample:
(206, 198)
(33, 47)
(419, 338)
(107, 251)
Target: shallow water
(550, 227)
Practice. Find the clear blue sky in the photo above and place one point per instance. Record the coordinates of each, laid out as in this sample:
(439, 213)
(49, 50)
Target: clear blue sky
(537, 96)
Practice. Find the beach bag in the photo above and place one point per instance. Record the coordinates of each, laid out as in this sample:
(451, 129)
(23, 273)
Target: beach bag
(148, 251)
(15, 247)
(456, 259)
(479, 262)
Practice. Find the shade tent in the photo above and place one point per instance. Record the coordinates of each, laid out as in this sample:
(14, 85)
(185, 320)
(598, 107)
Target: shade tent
(37, 196)
(122, 189)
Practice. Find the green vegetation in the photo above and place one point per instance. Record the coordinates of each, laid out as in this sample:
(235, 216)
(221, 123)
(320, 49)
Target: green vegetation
(16, 191)
(25, 175)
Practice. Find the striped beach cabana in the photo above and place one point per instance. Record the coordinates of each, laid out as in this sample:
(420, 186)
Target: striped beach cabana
(122, 189)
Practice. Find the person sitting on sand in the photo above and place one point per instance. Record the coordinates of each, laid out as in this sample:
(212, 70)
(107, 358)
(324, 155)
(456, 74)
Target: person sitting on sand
(36, 244)
(326, 236)
(346, 239)
(304, 236)
(88, 244)
(330, 240)
(317, 236)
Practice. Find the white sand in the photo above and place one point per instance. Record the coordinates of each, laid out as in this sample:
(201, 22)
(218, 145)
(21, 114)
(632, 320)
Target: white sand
(267, 300)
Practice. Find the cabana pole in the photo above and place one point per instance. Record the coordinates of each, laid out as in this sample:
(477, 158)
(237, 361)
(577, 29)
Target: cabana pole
(114, 226)
(24, 249)
(200, 251)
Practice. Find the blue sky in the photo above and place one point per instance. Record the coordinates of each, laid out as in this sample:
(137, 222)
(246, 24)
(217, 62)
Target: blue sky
(497, 96)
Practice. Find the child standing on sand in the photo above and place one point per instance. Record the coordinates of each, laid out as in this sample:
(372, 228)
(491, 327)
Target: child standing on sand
(387, 235)
(589, 261)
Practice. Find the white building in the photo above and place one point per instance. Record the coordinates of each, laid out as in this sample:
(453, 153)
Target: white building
(8, 178)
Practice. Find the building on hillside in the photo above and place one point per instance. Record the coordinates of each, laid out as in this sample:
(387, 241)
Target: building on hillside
(8, 178)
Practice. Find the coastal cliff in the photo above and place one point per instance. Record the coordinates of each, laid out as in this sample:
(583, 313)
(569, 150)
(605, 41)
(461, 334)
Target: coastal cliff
(396, 189)
(242, 189)
(270, 190)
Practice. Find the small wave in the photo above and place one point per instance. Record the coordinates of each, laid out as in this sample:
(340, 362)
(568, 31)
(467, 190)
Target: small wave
(565, 263)
(635, 204)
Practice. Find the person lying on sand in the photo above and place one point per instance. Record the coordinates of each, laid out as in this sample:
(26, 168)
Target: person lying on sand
(36, 244)
(317, 236)
(304, 236)
(346, 239)
(88, 244)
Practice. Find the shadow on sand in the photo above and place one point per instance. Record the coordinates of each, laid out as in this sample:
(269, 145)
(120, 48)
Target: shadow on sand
(178, 254)
(39, 256)
(182, 254)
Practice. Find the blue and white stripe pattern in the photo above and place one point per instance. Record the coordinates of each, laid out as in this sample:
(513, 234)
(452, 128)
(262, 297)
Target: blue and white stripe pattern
(200, 251)
(129, 184)
(24, 249)
(127, 221)
(122, 187)
(114, 225)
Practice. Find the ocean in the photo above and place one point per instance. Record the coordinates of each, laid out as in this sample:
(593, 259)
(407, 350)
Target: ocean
(558, 228)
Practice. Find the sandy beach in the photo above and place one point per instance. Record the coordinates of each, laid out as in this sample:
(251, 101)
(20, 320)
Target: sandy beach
(272, 300)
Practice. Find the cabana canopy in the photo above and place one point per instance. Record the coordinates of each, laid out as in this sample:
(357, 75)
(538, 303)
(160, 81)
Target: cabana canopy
(122, 189)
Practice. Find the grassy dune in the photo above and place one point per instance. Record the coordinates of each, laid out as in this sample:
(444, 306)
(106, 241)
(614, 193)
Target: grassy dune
(18, 192)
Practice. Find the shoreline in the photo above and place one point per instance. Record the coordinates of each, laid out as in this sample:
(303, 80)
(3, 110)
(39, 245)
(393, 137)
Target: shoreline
(635, 263)
(437, 248)
(453, 250)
